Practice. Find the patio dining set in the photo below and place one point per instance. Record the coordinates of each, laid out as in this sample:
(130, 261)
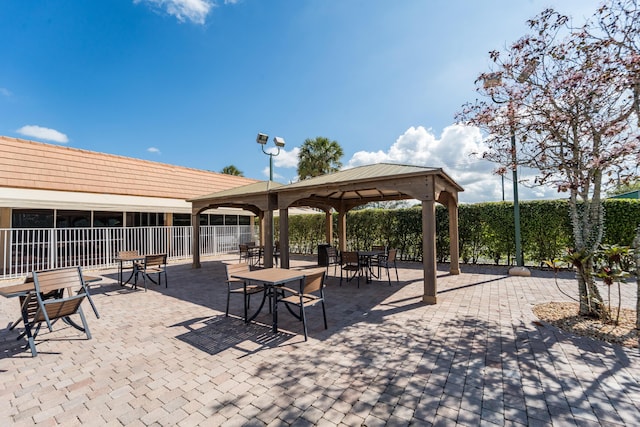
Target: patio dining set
(56, 294)
(47, 296)
(298, 289)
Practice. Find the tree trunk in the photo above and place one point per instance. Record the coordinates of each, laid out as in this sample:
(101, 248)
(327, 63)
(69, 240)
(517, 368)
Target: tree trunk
(591, 302)
(587, 220)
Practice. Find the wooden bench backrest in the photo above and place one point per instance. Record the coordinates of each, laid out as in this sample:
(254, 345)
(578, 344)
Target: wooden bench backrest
(55, 282)
(235, 269)
(350, 258)
(392, 255)
(52, 280)
(314, 282)
(155, 259)
(57, 308)
(126, 254)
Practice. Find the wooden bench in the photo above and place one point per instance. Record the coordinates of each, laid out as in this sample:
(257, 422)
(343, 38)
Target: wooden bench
(48, 302)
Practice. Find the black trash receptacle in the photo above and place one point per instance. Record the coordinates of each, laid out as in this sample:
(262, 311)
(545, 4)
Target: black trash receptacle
(323, 259)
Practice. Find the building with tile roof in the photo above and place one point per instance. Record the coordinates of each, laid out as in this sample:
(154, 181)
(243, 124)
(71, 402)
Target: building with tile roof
(77, 188)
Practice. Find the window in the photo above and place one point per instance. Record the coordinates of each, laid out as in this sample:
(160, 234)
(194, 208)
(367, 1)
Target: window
(32, 218)
(144, 219)
(73, 219)
(182, 219)
(44, 218)
(216, 219)
(107, 219)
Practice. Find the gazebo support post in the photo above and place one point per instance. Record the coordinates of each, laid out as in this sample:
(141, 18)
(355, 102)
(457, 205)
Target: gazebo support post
(429, 251)
(454, 246)
(261, 227)
(328, 226)
(268, 238)
(284, 238)
(342, 228)
(195, 241)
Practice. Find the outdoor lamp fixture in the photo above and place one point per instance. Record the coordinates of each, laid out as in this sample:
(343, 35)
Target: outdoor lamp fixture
(262, 139)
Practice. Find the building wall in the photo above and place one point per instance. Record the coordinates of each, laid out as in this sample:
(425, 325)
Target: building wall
(5, 217)
(5, 222)
(66, 179)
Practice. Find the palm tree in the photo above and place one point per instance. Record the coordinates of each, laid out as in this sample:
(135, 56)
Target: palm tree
(231, 170)
(318, 156)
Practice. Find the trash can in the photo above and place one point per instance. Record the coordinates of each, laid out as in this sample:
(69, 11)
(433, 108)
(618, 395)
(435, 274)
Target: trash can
(323, 259)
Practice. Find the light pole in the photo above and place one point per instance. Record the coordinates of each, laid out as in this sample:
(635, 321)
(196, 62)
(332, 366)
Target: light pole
(262, 139)
(490, 81)
(516, 204)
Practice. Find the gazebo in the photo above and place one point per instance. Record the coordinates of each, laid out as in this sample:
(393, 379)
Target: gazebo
(343, 191)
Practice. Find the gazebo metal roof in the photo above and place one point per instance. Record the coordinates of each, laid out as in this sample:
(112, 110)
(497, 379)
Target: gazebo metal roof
(257, 188)
(369, 173)
(359, 185)
(363, 184)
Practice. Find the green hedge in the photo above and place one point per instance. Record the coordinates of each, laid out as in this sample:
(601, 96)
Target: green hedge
(486, 230)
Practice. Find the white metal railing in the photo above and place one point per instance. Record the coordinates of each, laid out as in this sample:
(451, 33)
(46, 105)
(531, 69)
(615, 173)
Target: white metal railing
(23, 250)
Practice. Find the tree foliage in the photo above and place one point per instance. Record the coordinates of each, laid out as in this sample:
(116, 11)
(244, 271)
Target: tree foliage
(319, 156)
(485, 230)
(569, 96)
(231, 170)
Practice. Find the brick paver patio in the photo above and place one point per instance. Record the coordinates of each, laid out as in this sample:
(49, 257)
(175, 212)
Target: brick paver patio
(170, 357)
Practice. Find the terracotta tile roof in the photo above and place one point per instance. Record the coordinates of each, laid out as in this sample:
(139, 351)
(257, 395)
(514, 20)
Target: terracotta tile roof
(35, 165)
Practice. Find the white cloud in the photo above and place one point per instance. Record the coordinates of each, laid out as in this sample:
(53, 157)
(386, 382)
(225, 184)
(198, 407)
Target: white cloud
(39, 132)
(5, 92)
(195, 11)
(287, 159)
(153, 150)
(276, 176)
(458, 152)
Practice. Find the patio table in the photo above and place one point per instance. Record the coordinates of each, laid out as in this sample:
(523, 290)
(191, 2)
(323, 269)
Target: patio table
(365, 261)
(133, 259)
(256, 254)
(271, 278)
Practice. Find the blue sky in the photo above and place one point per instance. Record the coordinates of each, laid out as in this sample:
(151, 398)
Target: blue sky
(191, 82)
